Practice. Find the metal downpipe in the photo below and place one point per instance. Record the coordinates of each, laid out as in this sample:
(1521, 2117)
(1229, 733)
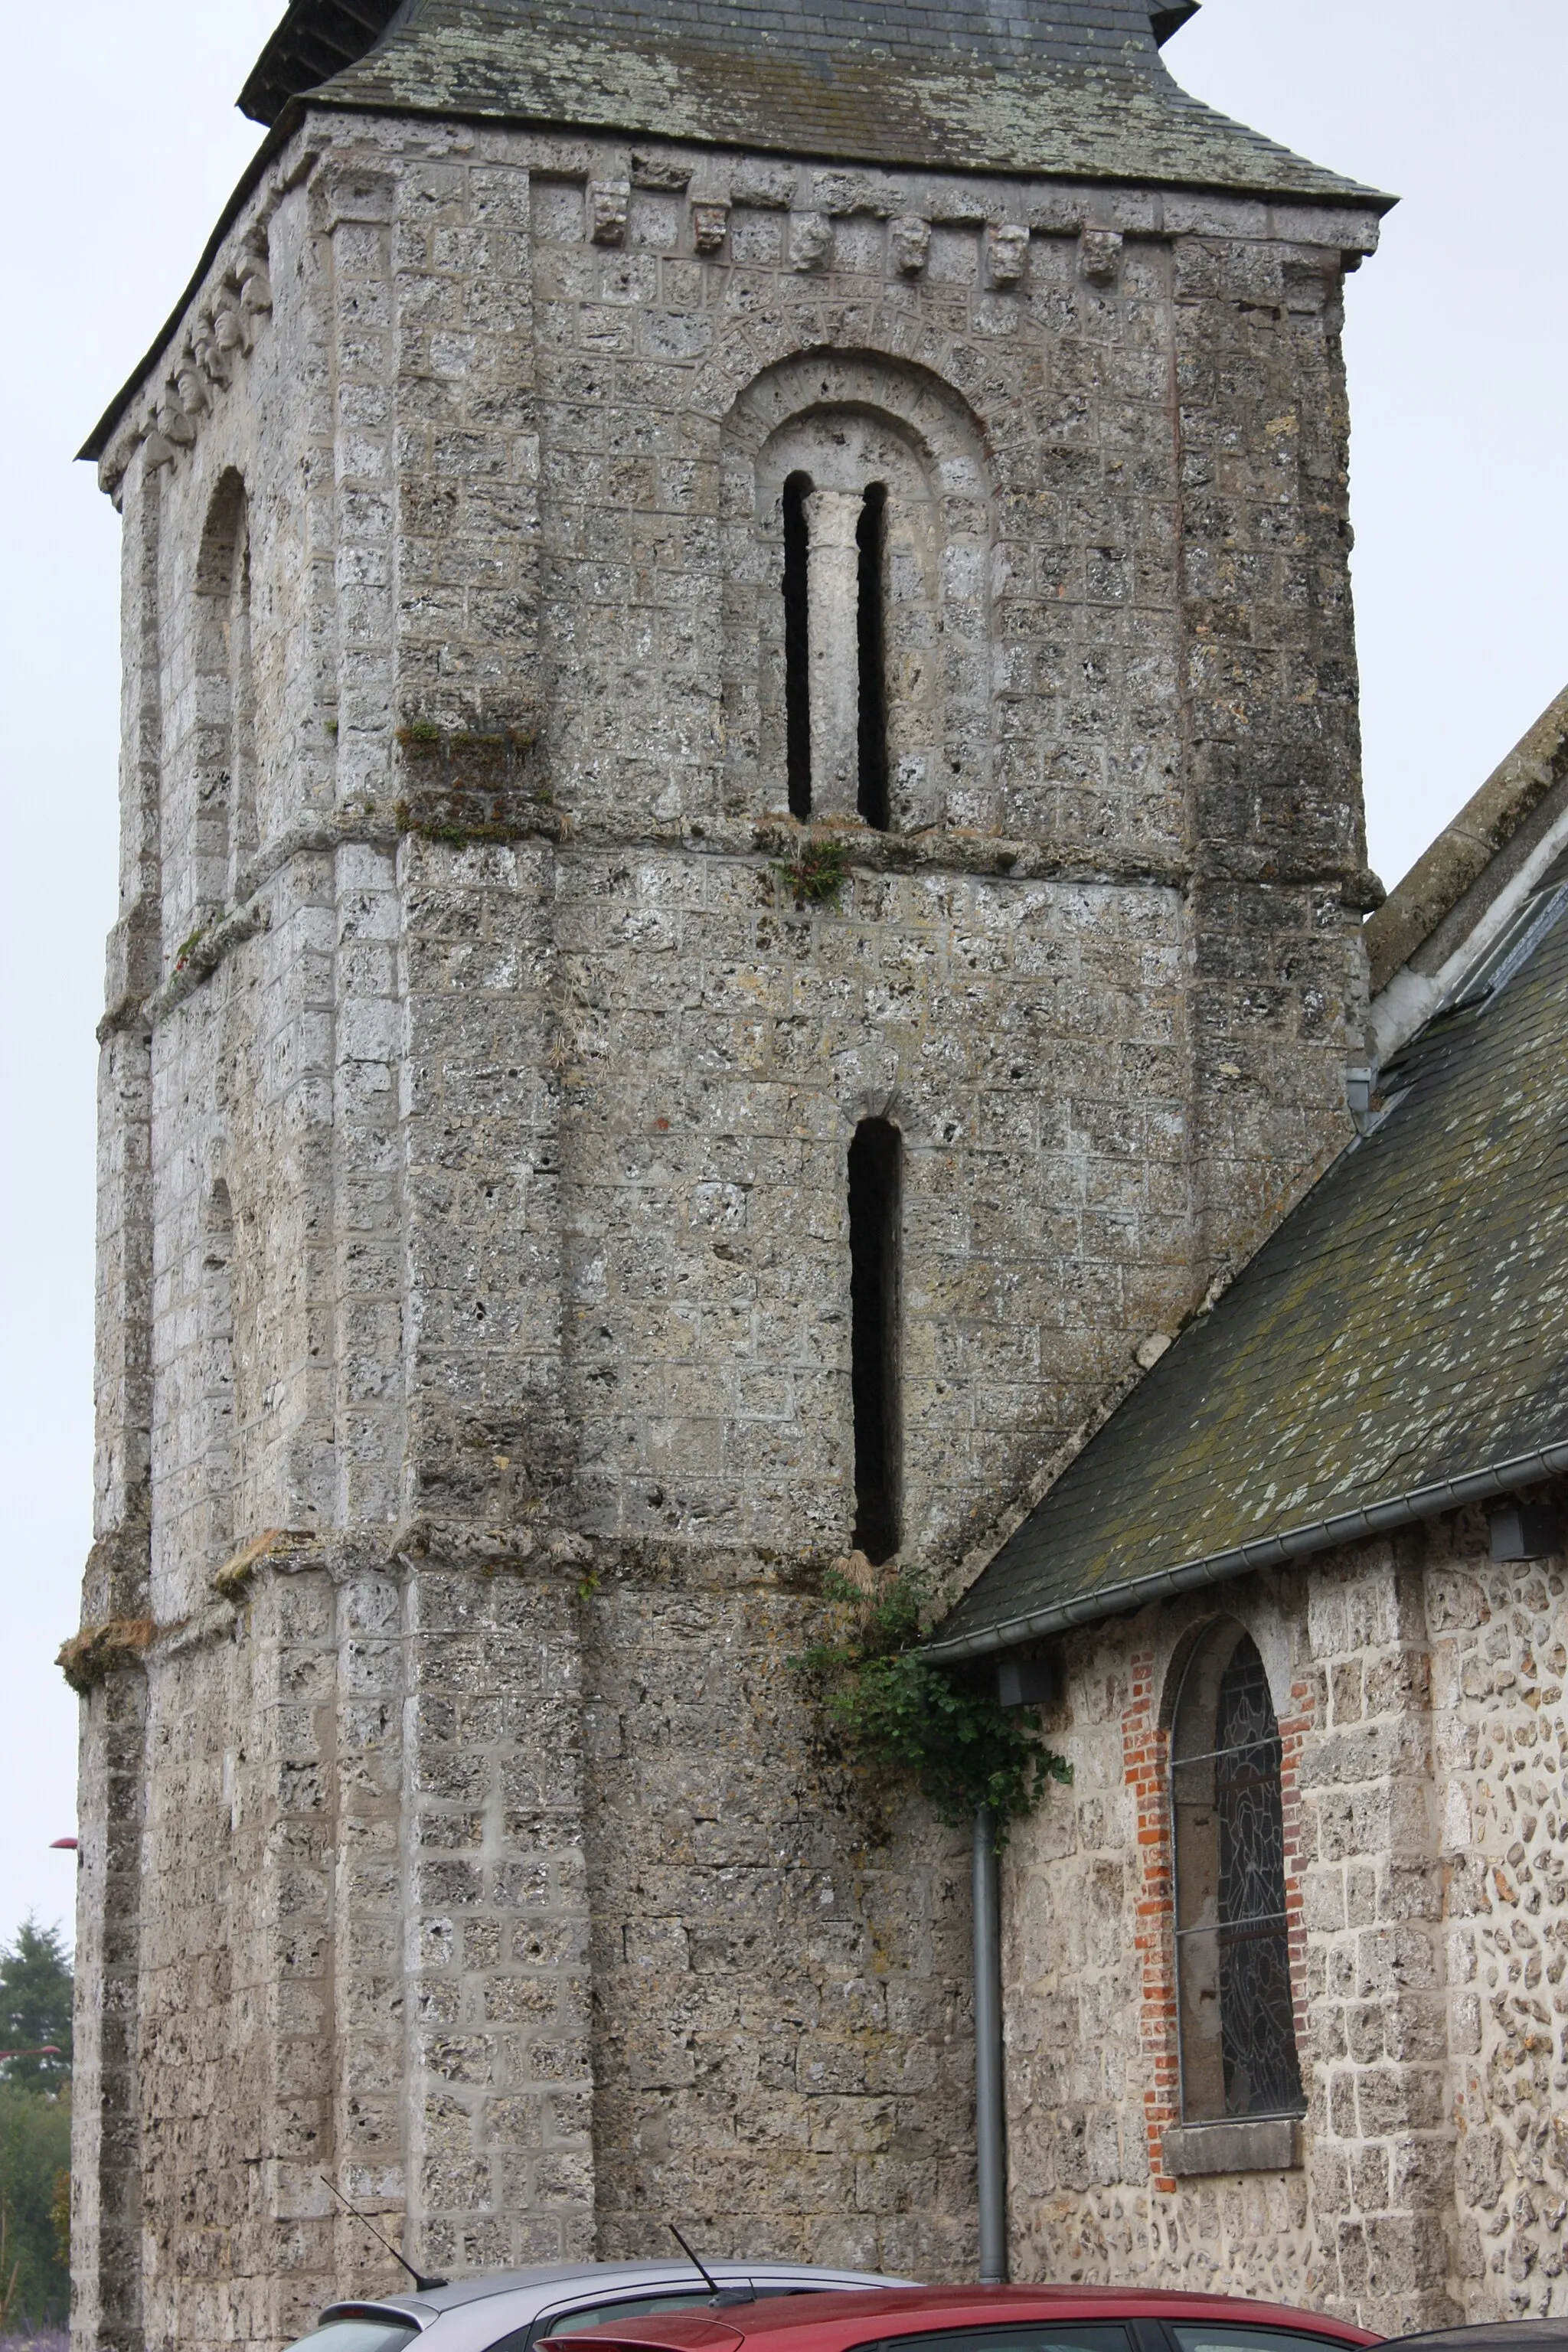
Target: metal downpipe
(990, 2116)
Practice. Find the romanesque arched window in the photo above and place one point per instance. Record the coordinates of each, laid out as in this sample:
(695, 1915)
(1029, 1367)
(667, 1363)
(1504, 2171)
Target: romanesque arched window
(857, 673)
(1235, 2011)
(851, 513)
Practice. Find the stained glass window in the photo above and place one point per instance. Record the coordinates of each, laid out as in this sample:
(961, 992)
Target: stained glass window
(1236, 2022)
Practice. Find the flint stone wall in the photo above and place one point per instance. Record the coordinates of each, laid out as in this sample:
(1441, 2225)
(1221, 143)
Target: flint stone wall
(475, 1416)
(1419, 1691)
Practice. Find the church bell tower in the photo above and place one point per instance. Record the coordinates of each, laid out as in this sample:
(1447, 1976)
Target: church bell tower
(743, 862)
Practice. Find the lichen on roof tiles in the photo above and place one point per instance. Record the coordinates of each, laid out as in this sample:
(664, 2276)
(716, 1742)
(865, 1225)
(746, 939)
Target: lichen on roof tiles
(1406, 1324)
(1068, 88)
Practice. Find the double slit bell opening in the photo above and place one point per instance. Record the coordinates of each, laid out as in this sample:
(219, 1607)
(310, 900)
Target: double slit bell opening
(835, 734)
(835, 693)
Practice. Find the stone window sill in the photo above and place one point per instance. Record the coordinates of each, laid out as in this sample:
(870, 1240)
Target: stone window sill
(1272, 2143)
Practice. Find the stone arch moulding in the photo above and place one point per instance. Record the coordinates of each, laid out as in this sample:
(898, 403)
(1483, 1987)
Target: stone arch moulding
(848, 423)
(1270, 1637)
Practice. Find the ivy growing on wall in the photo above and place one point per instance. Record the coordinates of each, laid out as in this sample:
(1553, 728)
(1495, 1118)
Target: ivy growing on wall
(906, 1723)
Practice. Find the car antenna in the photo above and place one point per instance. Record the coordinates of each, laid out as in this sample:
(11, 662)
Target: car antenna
(422, 2284)
(722, 2294)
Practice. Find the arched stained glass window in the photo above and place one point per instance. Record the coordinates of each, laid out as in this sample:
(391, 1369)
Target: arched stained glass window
(1237, 2022)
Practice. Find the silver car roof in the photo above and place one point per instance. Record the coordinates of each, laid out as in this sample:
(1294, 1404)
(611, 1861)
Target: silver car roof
(477, 2312)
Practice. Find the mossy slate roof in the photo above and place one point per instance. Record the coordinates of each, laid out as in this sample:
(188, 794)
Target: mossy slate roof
(1406, 1326)
(1064, 88)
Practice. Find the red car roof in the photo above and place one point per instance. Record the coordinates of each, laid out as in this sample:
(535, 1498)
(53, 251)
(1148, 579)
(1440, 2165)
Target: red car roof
(835, 2321)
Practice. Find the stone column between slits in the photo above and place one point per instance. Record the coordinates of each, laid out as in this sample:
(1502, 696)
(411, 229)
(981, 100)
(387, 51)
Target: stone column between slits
(832, 590)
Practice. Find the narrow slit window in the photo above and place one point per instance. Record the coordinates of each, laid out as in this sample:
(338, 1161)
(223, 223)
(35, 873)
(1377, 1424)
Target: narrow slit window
(875, 1220)
(871, 538)
(217, 1366)
(242, 730)
(798, 645)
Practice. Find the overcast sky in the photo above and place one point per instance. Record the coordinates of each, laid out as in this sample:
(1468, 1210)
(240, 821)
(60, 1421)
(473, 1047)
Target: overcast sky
(122, 144)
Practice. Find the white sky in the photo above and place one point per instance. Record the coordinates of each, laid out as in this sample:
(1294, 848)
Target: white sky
(111, 172)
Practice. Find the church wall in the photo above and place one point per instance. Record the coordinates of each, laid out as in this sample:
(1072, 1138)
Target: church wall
(271, 1991)
(495, 1130)
(1418, 1700)
(1089, 2000)
(635, 669)
(782, 2039)
(1499, 1631)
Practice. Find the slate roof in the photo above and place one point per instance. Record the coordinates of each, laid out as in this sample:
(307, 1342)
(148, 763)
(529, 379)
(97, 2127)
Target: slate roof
(1068, 88)
(1398, 1344)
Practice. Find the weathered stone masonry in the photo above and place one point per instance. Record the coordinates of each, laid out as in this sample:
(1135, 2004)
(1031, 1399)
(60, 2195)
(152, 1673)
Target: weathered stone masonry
(1428, 1686)
(474, 1372)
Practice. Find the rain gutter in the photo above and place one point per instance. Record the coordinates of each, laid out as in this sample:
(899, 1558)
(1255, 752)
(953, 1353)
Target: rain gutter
(990, 2110)
(1265, 1551)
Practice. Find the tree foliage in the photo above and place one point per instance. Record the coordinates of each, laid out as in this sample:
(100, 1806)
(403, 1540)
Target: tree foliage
(34, 2131)
(909, 1723)
(36, 2007)
(35, 2173)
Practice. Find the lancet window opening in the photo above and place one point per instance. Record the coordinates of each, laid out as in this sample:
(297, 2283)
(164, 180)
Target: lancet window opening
(876, 1221)
(242, 704)
(798, 645)
(1234, 2004)
(871, 633)
(217, 1365)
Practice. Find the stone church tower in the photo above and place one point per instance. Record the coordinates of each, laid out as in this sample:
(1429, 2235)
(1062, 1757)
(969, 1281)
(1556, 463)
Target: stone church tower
(742, 863)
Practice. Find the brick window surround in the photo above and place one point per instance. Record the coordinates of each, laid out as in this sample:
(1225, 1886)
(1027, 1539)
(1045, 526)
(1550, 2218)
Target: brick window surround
(1177, 2151)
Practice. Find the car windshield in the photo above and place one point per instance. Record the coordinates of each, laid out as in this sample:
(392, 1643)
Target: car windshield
(367, 2335)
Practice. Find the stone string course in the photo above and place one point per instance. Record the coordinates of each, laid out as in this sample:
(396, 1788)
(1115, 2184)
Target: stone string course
(473, 1204)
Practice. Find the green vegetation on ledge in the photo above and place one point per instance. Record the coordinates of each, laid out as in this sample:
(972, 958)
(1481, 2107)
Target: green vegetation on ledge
(818, 875)
(906, 1723)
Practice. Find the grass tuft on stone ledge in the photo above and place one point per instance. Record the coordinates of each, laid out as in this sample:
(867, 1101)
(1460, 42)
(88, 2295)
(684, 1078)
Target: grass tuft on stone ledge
(818, 875)
(90, 1657)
